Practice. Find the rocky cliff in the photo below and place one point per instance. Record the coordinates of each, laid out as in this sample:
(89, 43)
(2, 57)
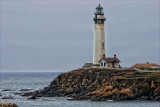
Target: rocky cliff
(105, 84)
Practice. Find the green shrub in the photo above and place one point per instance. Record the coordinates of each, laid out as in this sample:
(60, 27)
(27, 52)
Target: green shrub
(144, 91)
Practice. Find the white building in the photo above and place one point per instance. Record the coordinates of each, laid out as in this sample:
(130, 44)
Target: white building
(109, 62)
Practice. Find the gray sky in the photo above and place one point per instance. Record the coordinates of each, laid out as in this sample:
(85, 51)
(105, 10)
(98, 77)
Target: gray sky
(57, 35)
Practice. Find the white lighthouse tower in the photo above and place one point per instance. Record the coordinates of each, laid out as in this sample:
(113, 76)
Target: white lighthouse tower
(99, 37)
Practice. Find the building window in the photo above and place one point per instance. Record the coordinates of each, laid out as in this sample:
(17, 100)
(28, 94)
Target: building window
(102, 64)
(103, 45)
(98, 21)
(99, 11)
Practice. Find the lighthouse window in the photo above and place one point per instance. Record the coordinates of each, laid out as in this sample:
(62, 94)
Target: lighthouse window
(98, 21)
(99, 11)
(104, 64)
(103, 45)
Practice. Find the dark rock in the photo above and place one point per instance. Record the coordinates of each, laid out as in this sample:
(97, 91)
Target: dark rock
(7, 90)
(32, 97)
(157, 98)
(26, 89)
(143, 98)
(27, 94)
(18, 93)
(7, 97)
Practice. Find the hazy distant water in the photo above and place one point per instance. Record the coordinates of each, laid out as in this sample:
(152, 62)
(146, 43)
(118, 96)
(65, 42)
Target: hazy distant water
(38, 80)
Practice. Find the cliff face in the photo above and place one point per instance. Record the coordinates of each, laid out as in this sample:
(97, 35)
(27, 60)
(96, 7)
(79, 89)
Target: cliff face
(100, 85)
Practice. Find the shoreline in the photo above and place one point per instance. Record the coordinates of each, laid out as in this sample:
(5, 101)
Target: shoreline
(22, 101)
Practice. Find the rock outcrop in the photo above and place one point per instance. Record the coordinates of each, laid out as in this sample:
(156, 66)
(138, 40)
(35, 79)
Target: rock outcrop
(7, 97)
(104, 84)
(7, 104)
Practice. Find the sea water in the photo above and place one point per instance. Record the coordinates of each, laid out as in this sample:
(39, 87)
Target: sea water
(15, 81)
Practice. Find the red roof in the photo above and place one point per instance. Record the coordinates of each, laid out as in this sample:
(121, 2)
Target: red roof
(143, 65)
(110, 60)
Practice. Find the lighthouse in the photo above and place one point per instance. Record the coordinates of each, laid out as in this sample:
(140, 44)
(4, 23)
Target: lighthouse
(99, 37)
(100, 60)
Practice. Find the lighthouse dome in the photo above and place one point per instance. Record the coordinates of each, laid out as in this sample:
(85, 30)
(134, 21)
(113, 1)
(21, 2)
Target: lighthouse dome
(99, 10)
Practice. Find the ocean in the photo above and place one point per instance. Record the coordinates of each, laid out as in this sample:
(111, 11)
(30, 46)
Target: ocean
(15, 81)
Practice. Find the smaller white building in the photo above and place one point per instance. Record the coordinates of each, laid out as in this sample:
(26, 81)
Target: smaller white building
(145, 65)
(156, 66)
(109, 62)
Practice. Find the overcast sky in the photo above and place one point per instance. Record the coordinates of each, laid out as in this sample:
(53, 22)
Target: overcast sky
(57, 35)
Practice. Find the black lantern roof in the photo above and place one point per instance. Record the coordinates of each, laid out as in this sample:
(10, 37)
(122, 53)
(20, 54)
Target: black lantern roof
(99, 10)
